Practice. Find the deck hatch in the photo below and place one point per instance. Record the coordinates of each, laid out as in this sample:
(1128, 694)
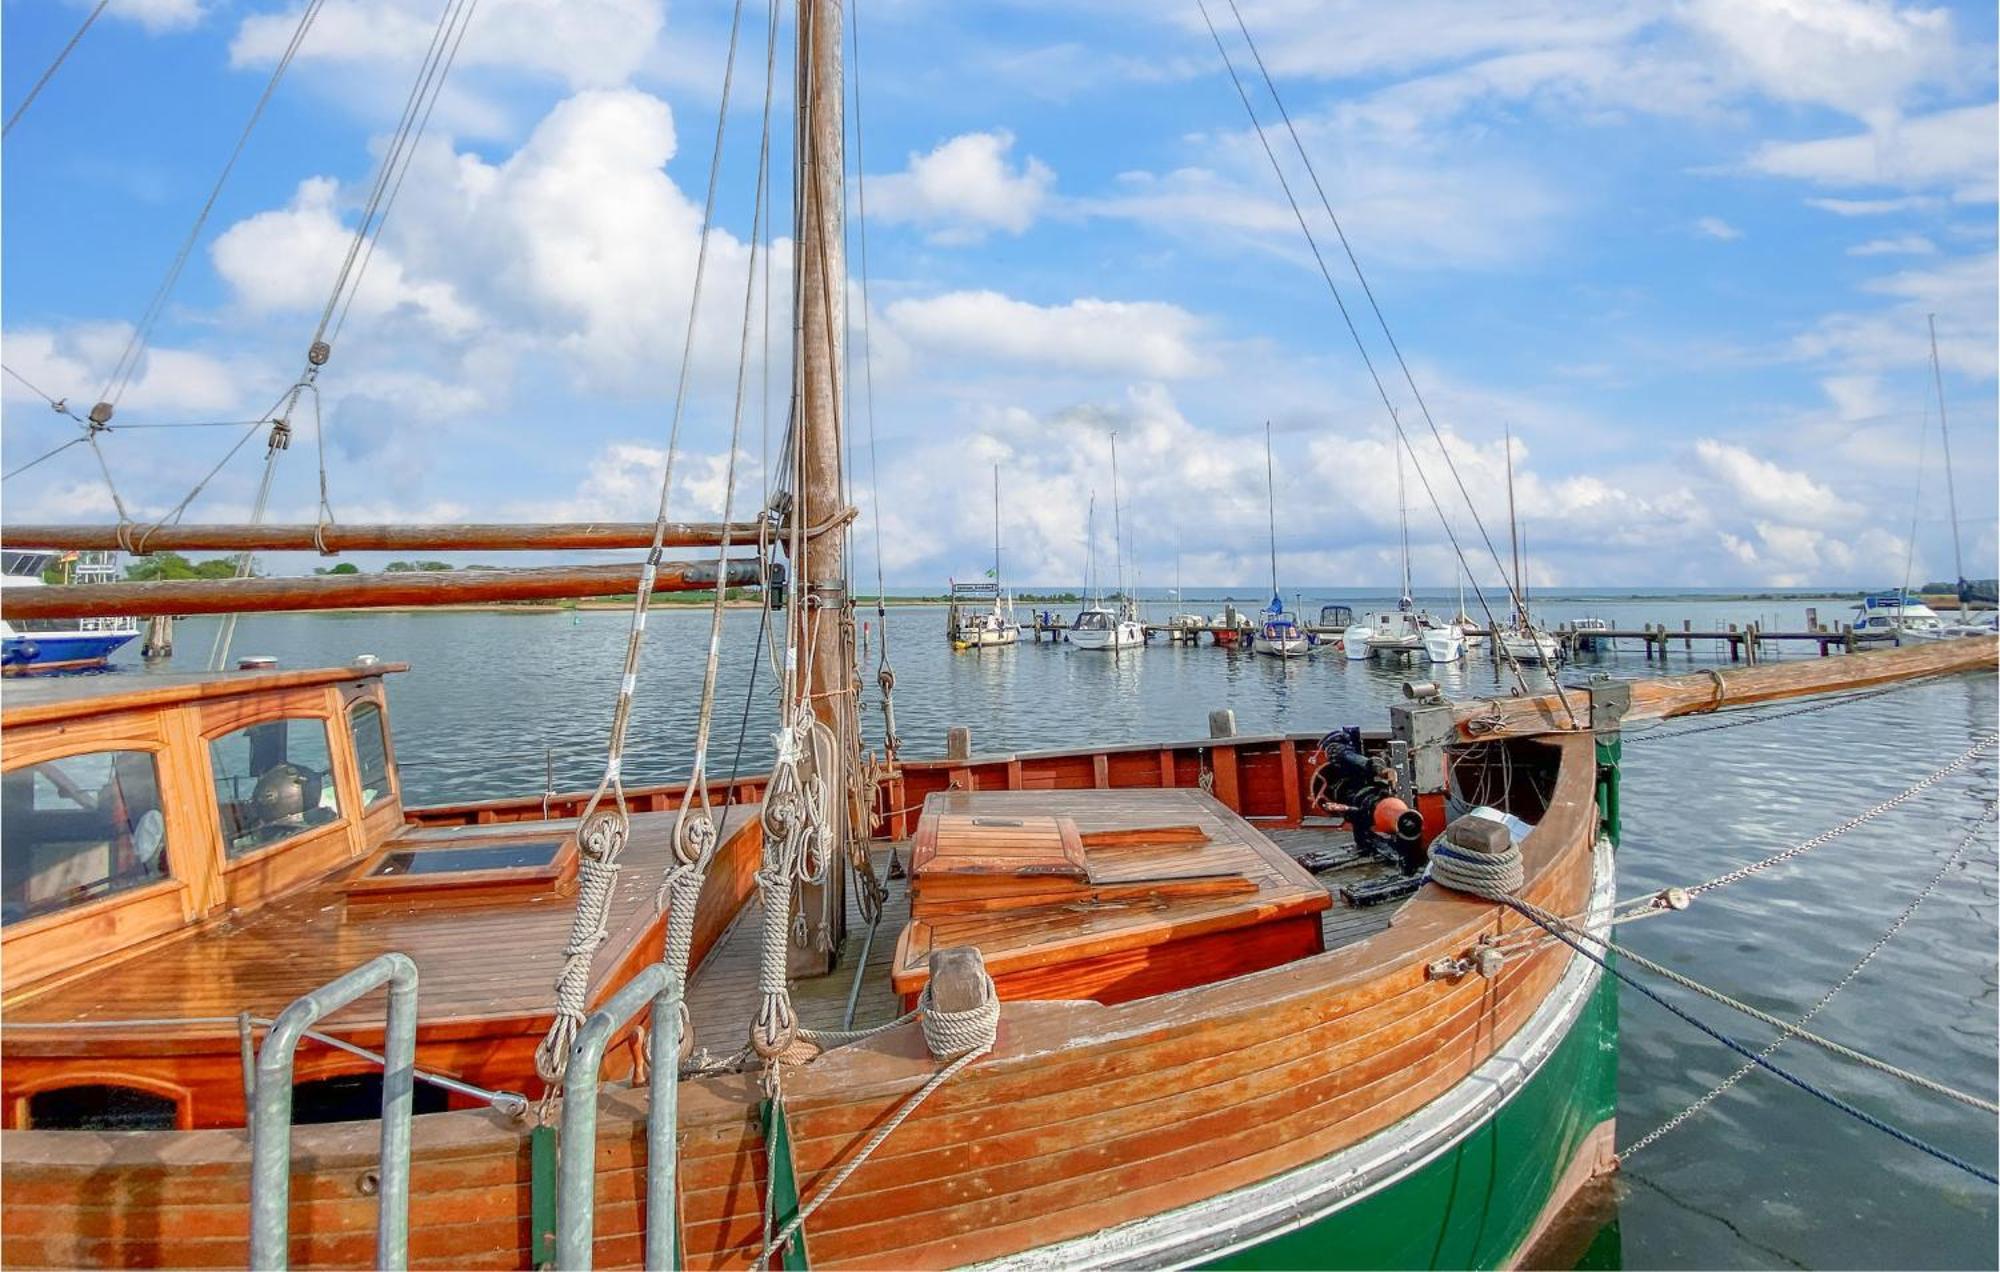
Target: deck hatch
(441, 861)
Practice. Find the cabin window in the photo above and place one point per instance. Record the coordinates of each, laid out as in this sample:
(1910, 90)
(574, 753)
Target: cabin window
(355, 1097)
(100, 1107)
(79, 828)
(371, 751)
(273, 781)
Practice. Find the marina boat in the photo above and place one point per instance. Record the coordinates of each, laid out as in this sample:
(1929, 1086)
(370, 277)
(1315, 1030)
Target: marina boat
(1356, 640)
(1522, 641)
(1098, 627)
(257, 1002)
(1335, 619)
(1232, 627)
(996, 626)
(1186, 627)
(1400, 631)
(1444, 644)
(1279, 635)
(30, 646)
(1897, 617)
(1588, 637)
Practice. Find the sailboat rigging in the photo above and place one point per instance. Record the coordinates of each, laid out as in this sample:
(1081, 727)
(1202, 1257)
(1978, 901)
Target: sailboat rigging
(1280, 635)
(1097, 627)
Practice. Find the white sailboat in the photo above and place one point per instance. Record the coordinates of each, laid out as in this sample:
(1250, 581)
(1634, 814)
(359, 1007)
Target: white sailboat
(1280, 635)
(1097, 627)
(1523, 642)
(997, 626)
(1403, 629)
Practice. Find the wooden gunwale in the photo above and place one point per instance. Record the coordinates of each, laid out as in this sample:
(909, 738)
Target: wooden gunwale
(15, 712)
(1705, 691)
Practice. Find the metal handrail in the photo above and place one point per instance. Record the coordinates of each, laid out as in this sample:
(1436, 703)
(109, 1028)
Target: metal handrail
(271, 1112)
(576, 1170)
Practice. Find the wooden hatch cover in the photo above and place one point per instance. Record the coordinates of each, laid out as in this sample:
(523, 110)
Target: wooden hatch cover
(1101, 894)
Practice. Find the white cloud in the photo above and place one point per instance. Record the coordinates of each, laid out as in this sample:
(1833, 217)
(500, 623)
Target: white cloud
(583, 43)
(1902, 245)
(1960, 292)
(73, 363)
(1146, 339)
(286, 261)
(1763, 486)
(1952, 150)
(156, 15)
(1864, 58)
(1717, 228)
(1873, 207)
(964, 189)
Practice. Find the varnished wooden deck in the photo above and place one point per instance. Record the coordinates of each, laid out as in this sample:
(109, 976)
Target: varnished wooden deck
(722, 995)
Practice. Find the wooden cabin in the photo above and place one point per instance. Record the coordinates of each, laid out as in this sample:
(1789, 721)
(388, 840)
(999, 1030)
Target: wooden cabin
(187, 854)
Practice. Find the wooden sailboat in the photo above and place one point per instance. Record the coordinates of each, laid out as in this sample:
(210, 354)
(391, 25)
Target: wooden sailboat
(1191, 1048)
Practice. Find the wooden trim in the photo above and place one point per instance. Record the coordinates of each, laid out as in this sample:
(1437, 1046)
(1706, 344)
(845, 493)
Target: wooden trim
(23, 707)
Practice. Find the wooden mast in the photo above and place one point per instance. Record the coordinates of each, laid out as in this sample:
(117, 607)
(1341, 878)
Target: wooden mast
(820, 289)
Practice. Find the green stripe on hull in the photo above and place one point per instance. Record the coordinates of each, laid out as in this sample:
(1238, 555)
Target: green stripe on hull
(1475, 1204)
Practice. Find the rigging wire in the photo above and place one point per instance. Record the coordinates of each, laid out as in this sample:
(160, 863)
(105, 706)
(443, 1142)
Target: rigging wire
(1916, 506)
(54, 66)
(45, 455)
(122, 371)
(1347, 318)
(601, 831)
(1271, 85)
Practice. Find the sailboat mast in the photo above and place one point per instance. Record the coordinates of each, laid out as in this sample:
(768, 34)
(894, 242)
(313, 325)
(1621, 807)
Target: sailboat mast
(1514, 532)
(1090, 550)
(1271, 509)
(1403, 520)
(1117, 527)
(996, 527)
(819, 283)
(1950, 487)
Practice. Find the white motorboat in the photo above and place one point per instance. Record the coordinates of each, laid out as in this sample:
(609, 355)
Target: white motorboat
(993, 625)
(1897, 617)
(1444, 644)
(1354, 642)
(1528, 644)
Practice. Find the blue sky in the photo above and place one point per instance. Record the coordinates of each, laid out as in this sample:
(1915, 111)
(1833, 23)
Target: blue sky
(1685, 251)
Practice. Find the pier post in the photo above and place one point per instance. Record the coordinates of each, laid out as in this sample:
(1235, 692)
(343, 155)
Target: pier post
(958, 742)
(1735, 645)
(1222, 723)
(159, 638)
(1687, 636)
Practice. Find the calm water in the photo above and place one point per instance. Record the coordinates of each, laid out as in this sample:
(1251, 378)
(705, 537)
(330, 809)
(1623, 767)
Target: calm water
(1765, 1177)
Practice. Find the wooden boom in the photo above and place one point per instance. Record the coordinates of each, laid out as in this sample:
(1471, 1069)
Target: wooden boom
(1705, 691)
(401, 590)
(333, 539)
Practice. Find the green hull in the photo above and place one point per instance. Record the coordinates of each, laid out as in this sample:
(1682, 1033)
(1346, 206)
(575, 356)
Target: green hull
(1477, 1204)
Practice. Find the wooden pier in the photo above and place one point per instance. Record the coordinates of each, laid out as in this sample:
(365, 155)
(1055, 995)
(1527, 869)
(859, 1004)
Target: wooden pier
(1747, 643)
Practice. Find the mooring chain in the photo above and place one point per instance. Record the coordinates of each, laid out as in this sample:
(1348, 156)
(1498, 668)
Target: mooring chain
(1957, 855)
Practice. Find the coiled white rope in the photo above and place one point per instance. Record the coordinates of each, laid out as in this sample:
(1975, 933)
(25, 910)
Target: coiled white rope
(1485, 874)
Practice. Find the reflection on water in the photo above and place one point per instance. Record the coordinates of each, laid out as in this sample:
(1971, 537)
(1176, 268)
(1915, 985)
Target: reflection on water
(1766, 1176)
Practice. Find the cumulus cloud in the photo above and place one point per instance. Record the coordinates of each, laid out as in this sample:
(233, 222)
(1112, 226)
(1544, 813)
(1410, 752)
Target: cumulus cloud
(1764, 486)
(1958, 291)
(1147, 339)
(1864, 58)
(964, 189)
(74, 363)
(1950, 150)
